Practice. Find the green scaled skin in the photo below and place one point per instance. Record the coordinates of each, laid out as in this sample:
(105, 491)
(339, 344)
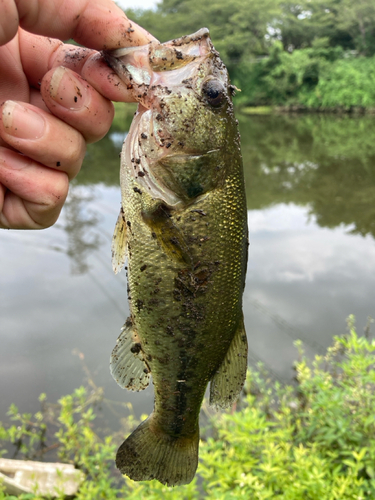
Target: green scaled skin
(183, 229)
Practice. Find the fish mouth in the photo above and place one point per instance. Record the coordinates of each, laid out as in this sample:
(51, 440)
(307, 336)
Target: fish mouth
(189, 45)
(150, 72)
(158, 63)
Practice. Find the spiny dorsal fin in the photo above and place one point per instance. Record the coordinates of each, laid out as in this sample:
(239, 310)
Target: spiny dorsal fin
(227, 382)
(119, 243)
(127, 364)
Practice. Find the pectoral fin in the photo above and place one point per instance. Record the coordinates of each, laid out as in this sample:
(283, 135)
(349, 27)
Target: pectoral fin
(127, 365)
(160, 220)
(119, 243)
(227, 382)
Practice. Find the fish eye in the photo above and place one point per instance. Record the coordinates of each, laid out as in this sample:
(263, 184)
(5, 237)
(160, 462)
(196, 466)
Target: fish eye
(214, 92)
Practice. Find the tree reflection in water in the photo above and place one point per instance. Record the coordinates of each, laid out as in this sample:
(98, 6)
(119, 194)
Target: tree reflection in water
(80, 225)
(325, 162)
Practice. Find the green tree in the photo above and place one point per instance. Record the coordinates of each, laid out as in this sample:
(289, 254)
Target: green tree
(282, 52)
(306, 21)
(239, 28)
(344, 23)
(358, 20)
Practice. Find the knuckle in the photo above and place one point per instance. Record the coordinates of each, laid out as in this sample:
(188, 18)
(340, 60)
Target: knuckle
(74, 154)
(48, 210)
(54, 198)
(58, 192)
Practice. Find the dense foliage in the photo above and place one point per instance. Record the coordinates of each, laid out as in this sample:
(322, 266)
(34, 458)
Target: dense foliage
(312, 53)
(314, 440)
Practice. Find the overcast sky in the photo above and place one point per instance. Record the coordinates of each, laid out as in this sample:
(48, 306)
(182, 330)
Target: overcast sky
(144, 4)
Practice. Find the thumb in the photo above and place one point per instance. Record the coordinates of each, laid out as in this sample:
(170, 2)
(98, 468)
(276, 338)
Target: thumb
(97, 25)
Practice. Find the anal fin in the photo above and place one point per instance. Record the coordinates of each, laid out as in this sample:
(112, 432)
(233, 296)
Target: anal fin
(127, 364)
(119, 243)
(227, 382)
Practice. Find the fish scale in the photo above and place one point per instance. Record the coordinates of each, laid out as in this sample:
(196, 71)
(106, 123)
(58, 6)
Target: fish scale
(183, 230)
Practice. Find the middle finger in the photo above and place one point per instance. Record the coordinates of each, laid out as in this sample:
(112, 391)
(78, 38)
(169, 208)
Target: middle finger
(71, 98)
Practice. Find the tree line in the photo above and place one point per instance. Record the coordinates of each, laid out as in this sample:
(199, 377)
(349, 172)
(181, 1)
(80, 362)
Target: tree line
(312, 53)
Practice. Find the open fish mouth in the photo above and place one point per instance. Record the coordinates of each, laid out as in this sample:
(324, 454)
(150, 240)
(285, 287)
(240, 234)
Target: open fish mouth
(170, 81)
(143, 62)
(148, 69)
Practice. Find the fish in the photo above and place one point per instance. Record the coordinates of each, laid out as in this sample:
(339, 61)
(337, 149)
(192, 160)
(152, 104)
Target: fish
(182, 230)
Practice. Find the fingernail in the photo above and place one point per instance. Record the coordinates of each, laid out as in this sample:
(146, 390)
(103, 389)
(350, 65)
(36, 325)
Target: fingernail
(67, 90)
(22, 122)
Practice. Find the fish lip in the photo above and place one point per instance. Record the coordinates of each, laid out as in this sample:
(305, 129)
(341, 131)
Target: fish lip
(194, 37)
(110, 58)
(107, 56)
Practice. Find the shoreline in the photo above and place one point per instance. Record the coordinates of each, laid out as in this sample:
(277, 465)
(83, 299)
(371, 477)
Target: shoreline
(299, 109)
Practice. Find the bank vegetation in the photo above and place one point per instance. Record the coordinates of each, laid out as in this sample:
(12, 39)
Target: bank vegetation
(312, 54)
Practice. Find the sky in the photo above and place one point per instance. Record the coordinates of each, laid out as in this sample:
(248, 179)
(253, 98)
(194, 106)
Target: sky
(144, 4)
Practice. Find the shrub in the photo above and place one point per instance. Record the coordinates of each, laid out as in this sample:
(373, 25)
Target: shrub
(313, 440)
(315, 78)
(345, 83)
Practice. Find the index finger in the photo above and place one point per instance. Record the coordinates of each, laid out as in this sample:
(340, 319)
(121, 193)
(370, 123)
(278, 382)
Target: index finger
(97, 25)
(40, 54)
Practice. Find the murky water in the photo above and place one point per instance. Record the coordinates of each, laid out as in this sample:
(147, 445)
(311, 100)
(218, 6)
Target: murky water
(311, 200)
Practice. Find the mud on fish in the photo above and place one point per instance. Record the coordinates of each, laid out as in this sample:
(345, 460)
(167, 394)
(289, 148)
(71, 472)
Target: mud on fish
(183, 230)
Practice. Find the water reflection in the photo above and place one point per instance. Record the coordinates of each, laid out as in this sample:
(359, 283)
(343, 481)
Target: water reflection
(303, 281)
(320, 161)
(311, 199)
(324, 162)
(80, 226)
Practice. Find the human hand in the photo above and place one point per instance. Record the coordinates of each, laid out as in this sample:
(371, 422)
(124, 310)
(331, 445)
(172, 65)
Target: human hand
(54, 98)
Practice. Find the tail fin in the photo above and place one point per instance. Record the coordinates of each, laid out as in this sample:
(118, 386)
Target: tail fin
(148, 453)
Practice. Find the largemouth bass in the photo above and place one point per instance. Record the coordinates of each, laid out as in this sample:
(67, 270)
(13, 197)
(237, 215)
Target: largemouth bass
(183, 230)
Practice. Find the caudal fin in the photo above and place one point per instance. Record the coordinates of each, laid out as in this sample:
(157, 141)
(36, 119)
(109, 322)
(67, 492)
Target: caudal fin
(149, 454)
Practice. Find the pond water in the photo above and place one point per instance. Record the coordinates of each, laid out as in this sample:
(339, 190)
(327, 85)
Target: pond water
(311, 210)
